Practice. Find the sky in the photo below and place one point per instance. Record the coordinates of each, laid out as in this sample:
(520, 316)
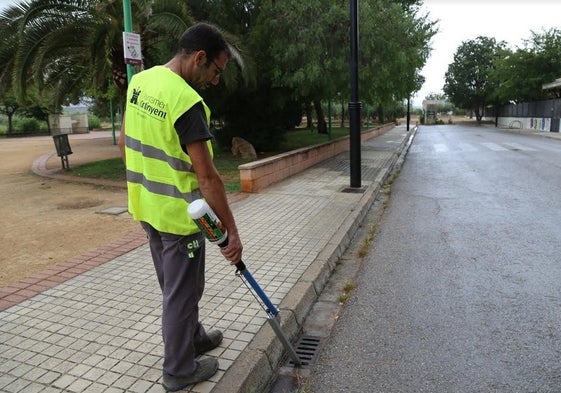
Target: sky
(460, 20)
(6, 3)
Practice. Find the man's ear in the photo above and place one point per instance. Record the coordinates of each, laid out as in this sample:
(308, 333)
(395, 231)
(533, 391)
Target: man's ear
(200, 58)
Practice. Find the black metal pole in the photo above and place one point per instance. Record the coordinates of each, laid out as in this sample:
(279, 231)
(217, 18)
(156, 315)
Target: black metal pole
(354, 104)
(408, 112)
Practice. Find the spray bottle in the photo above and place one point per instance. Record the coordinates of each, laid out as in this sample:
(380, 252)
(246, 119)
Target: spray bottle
(207, 222)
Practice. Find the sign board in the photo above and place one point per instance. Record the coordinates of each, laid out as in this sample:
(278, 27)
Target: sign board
(131, 47)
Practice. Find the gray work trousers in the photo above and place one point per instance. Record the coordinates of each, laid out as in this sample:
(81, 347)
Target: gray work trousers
(180, 268)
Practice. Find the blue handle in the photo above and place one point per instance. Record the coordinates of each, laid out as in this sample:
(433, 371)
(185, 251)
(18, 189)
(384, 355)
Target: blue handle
(247, 275)
(240, 268)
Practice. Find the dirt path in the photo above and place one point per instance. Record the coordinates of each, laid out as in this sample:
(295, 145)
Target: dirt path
(48, 221)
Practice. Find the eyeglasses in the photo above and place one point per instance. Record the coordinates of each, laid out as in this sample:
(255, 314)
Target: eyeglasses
(218, 70)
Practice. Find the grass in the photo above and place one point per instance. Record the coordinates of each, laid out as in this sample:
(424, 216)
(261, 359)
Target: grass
(367, 241)
(304, 137)
(111, 169)
(227, 166)
(346, 292)
(226, 163)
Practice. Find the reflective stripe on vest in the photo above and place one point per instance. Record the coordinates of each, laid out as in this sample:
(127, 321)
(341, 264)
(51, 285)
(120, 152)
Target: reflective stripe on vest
(162, 188)
(153, 152)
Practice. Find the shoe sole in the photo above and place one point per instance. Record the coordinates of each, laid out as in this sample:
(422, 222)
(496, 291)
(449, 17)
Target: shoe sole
(184, 385)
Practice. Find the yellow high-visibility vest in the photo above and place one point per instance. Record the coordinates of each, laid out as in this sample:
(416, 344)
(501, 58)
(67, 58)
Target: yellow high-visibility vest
(160, 178)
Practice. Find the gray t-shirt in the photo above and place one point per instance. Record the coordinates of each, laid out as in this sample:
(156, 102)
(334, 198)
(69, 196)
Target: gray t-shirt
(191, 126)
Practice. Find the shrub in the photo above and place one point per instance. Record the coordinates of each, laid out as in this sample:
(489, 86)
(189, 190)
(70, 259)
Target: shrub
(27, 125)
(93, 122)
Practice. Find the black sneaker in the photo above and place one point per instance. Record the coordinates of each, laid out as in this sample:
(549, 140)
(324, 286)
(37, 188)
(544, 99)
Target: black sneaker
(206, 368)
(211, 341)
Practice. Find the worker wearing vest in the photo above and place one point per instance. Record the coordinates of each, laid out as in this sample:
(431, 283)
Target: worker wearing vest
(165, 142)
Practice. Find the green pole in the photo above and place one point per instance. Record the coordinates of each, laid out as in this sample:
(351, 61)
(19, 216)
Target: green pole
(128, 29)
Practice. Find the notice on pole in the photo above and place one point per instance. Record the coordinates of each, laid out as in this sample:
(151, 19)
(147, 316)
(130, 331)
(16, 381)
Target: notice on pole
(131, 46)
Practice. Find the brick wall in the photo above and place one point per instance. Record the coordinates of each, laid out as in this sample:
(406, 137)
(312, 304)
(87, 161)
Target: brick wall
(256, 175)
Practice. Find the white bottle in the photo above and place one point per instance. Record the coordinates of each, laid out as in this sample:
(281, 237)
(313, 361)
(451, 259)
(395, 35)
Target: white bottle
(207, 221)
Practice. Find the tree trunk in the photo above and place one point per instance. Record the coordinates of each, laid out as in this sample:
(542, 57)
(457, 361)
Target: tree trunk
(381, 114)
(10, 125)
(10, 112)
(322, 125)
(342, 115)
(309, 116)
(478, 115)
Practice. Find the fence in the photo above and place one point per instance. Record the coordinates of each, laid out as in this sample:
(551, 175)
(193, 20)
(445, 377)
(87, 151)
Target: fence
(543, 115)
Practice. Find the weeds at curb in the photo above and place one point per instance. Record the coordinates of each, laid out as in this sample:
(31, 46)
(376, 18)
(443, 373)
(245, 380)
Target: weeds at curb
(346, 292)
(365, 246)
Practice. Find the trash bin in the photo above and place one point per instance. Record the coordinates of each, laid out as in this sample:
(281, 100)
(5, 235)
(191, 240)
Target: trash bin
(63, 149)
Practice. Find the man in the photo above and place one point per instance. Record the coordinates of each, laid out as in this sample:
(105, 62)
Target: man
(165, 141)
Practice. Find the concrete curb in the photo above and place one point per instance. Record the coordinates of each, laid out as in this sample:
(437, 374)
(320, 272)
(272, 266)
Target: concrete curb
(257, 364)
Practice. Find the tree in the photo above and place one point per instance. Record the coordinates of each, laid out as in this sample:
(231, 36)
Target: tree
(9, 106)
(75, 46)
(296, 53)
(247, 104)
(306, 49)
(436, 96)
(520, 74)
(467, 80)
(8, 40)
(394, 41)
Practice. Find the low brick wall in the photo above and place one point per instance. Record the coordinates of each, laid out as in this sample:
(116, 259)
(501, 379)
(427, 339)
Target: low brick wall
(256, 175)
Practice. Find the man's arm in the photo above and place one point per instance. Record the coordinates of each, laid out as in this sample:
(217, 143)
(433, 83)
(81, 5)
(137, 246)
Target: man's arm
(212, 188)
(121, 142)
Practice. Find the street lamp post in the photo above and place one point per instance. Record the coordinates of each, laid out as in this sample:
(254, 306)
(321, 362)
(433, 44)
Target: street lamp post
(354, 104)
(408, 111)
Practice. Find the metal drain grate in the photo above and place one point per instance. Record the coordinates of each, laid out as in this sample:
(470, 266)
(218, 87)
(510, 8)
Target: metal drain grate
(306, 348)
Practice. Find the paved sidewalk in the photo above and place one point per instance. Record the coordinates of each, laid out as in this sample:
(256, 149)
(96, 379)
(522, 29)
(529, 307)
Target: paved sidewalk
(98, 329)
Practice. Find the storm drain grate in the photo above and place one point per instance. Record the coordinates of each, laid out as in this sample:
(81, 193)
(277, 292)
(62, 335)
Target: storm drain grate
(306, 348)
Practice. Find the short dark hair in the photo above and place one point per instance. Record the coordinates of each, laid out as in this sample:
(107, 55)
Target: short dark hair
(203, 36)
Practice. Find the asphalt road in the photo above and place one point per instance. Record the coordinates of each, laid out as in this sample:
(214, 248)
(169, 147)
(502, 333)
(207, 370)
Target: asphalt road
(461, 291)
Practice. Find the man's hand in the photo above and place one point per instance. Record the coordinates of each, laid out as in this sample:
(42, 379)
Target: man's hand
(233, 251)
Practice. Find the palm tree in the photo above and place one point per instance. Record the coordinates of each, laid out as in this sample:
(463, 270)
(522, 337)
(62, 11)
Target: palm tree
(70, 47)
(8, 44)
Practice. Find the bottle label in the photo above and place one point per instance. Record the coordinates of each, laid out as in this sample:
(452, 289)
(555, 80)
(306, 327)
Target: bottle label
(210, 228)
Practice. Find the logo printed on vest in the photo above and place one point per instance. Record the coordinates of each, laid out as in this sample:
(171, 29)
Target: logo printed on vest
(135, 94)
(149, 104)
(191, 246)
